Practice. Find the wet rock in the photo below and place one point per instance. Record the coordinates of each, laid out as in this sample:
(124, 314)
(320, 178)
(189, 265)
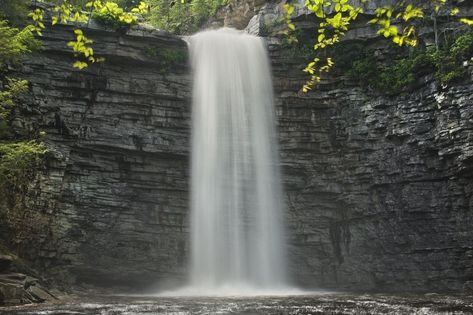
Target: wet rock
(13, 278)
(12, 288)
(40, 294)
(11, 293)
(236, 14)
(468, 286)
(17, 288)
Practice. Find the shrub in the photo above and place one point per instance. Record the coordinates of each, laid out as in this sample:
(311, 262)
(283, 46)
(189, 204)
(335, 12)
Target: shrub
(9, 95)
(165, 57)
(113, 16)
(17, 160)
(395, 75)
(182, 17)
(463, 45)
(15, 11)
(15, 42)
(365, 70)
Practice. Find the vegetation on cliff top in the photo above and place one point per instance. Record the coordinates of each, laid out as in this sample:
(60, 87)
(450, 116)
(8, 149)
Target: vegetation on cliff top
(394, 75)
(398, 22)
(180, 16)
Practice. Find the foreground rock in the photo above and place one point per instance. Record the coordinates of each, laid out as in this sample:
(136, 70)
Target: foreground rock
(18, 288)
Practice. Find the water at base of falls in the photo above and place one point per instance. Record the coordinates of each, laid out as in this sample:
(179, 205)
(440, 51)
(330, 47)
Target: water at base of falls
(436, 304)
(237, 235)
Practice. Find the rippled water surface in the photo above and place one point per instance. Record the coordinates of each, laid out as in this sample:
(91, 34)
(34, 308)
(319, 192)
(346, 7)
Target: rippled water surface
(314, 304)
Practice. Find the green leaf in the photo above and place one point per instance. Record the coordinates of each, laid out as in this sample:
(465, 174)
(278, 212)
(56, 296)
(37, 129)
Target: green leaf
(80, 65)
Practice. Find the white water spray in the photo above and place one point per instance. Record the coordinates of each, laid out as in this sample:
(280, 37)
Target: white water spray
(237, 239)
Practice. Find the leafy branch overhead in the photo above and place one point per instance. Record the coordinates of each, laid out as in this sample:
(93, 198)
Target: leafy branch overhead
(83, 50)
(106, 12)
(397, 23)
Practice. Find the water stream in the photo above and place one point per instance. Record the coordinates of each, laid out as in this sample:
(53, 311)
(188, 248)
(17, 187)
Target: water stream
(237, 236)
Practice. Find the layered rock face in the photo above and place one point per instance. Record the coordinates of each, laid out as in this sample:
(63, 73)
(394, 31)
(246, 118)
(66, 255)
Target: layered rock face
(115, 185)
(379, 188)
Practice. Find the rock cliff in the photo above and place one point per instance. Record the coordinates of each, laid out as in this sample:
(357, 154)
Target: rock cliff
(114, 187)
(379, 187)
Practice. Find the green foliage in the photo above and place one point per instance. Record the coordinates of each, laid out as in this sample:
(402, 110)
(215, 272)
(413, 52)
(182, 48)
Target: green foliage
(128, 4)
(397, 76)
(301, 49)
(15, 42)
(82, 50)
(166, 58)
(9, 95)
(15, 11)
(181, 16)
(463, 45)
(332, 26)
(269, 27)
(384, 19)
(17, 160)
(397, 22)
(18, 164)
(108, 13)
(112, 15)
(364, 68)
(448, 60)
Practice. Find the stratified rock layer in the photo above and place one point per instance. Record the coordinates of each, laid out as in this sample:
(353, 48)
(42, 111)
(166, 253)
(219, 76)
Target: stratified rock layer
(379, 188)
(115, 185)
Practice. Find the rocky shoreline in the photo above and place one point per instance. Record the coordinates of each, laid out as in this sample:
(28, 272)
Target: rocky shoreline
(314, 303)
(19, 288)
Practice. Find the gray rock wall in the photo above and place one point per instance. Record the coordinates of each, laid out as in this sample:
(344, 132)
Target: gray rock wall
(378, 188)
(115, 185)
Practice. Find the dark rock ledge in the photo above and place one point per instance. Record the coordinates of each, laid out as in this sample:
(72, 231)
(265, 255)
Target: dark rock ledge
(19, 288)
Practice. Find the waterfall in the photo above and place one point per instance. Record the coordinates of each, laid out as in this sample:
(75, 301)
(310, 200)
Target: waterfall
(237, 238)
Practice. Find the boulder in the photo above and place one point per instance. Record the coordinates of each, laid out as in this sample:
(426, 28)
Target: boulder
(40, 294)
(11, 288)
(468, 286)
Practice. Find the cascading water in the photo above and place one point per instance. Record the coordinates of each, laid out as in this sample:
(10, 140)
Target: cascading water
(237, 239)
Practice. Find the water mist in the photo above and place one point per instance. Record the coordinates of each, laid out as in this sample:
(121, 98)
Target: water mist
(237, 236)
